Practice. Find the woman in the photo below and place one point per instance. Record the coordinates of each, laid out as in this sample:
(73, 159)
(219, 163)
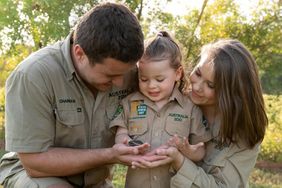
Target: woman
(226, 86)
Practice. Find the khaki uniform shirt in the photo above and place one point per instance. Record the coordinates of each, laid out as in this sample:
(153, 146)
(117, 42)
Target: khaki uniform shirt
(223, 166)
(48, 105)
(147, 123)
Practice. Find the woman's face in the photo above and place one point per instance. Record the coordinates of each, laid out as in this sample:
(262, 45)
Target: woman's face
(202, 83)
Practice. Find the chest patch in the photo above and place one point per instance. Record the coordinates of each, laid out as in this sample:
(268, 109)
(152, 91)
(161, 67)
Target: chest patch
(141, 109)
(138, 110)
(178, 117)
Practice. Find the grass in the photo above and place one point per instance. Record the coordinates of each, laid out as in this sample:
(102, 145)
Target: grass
(265, 179)
(2, 137)
(259, 178)
(119, 176)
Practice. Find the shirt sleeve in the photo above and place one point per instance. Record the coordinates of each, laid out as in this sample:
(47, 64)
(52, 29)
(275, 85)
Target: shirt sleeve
(234, 172)
(121, 116)
(199, 132)
(30, 123)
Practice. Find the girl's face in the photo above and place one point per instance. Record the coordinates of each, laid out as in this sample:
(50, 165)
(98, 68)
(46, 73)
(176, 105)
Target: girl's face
(157, 80)
(202, 83)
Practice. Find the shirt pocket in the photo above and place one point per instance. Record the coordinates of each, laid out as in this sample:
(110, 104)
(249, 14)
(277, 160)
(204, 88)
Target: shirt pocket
(70, 117)
(70, 130)
(137, 128)
(177, 125)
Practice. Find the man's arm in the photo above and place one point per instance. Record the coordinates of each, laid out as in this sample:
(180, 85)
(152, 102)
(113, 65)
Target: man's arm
(67, 161)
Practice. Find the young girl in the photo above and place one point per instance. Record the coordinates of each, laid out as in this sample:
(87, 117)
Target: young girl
(159, 110)
(225, 85)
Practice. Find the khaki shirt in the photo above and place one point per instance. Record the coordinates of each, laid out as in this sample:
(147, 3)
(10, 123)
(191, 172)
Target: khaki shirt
(223, 166)
(48, 105)
(147, 123)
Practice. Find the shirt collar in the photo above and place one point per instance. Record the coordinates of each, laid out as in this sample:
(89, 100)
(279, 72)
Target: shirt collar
(66, 51)
(176, 96)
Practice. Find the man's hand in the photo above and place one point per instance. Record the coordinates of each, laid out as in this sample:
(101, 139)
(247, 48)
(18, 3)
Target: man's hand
(124, 154)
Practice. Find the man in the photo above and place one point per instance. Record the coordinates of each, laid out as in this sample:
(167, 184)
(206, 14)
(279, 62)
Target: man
(60, 100)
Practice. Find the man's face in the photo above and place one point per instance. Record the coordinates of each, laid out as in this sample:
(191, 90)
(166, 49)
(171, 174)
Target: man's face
(102, 76)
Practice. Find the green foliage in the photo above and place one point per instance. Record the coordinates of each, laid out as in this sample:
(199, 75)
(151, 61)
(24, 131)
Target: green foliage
(261, 33)
(265, 179)
(37, 23)
(42, 21)
(271, 148)
(2, 111)
(119, 176)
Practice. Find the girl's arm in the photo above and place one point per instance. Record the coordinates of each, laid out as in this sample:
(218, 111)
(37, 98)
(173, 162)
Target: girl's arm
(122, 136)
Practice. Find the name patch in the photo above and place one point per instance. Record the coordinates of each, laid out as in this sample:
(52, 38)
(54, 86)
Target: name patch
(120, 93)
(67, 100)
(178, 117)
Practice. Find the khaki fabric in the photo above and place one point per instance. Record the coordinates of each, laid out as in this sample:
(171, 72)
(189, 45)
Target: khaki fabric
(47, 105)
(223, 166)
(22, 180)
(146, 123)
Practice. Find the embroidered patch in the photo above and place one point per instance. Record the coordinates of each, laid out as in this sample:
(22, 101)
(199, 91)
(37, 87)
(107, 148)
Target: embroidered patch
(142, 109)
(67, 100)
(137, 110)
(205, 123)
(135, 128)
(178, 117)
(118, 111)
(120, 93)
(219, 145)
(133, 107)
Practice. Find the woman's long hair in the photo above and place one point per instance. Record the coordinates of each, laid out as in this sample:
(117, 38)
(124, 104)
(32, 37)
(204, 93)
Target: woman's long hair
(238, 92)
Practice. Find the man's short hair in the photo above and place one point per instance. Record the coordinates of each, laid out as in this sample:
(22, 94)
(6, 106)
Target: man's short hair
(110, 30)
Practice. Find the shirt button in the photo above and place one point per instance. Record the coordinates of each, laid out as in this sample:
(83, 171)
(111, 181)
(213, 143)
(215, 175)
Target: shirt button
(158, 115)
(155, 178)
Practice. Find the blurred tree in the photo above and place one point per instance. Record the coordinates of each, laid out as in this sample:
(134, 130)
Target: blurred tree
(260, 32)
(38, 21)
(27, 25)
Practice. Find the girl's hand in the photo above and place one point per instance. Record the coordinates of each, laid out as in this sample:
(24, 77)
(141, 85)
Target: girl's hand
(178, 142)
(170, 154)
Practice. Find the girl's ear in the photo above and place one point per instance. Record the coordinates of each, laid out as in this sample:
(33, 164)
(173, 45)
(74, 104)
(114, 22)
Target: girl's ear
(179, 73)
